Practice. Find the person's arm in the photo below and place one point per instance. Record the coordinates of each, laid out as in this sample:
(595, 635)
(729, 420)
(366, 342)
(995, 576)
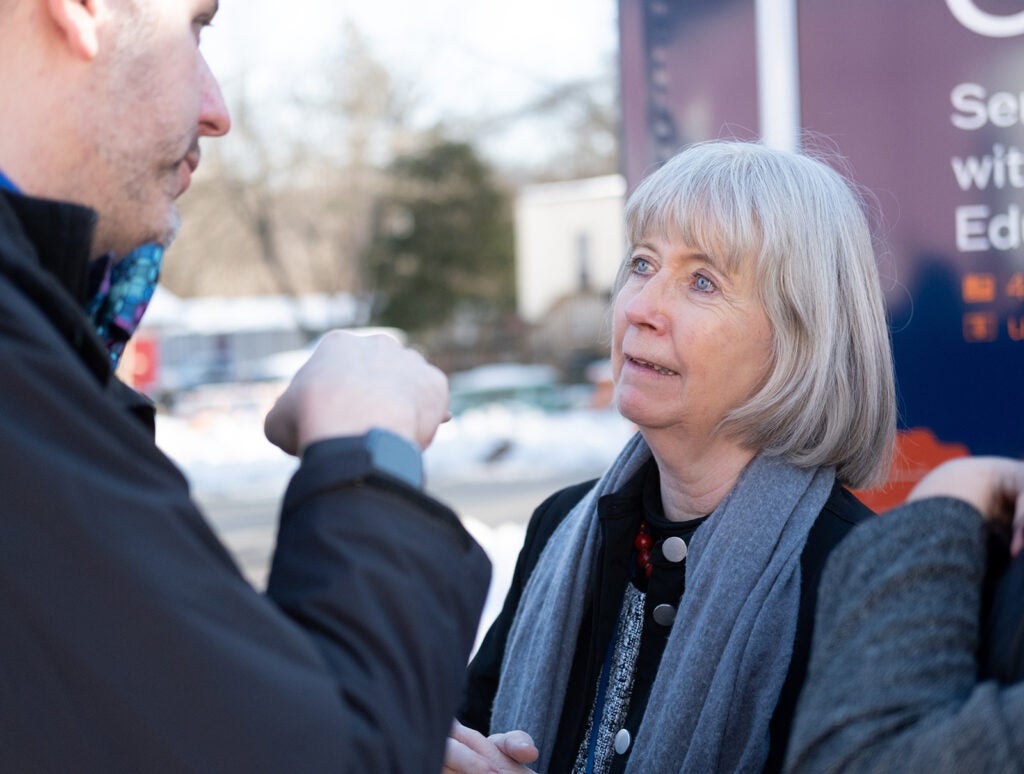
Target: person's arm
(484, 670)
(132, 642)
(389, 586)
(469, 750)
(892, 680)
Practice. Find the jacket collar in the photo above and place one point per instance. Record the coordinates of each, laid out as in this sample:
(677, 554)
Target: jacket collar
(60, 234)
(45, 250)
(626, 502)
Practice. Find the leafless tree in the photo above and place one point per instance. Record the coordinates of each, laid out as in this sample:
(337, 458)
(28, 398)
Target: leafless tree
(283, 203)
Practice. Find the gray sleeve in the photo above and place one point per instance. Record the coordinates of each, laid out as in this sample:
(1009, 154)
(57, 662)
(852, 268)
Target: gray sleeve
(892, 679)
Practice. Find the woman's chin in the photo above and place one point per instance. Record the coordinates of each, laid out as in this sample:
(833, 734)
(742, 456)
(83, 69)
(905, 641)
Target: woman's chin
(641, 413)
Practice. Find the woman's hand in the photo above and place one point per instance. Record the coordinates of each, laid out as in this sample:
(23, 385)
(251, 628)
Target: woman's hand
(470, 752)
(993, 485)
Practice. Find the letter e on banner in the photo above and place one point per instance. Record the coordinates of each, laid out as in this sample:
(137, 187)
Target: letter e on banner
(984, 23)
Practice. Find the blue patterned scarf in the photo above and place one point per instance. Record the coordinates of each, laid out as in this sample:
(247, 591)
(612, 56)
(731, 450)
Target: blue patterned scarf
(120, 293)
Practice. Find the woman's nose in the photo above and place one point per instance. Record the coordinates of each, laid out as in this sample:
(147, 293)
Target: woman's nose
(646, 308)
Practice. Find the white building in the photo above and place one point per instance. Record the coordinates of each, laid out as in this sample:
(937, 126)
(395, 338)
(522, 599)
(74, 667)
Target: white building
(569, 239)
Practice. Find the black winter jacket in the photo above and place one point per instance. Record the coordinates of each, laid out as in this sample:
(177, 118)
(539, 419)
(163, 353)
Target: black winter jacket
(130, 640)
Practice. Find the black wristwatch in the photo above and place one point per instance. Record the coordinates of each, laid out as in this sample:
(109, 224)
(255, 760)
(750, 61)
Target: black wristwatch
(395, 456)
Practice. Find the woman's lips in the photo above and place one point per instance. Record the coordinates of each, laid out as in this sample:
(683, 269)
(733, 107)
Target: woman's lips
(647, 364)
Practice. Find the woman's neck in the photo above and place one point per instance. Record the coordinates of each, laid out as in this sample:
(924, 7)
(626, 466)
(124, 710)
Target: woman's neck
(696, 478)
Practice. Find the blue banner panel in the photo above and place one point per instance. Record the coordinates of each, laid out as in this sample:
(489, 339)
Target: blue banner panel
(925, 98)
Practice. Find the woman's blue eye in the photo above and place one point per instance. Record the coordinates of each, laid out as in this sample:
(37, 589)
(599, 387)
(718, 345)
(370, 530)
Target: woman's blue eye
(703, 284)
(641, 265)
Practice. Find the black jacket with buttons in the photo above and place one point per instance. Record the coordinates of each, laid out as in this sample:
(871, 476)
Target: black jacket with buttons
(130, 640)
(841, 512)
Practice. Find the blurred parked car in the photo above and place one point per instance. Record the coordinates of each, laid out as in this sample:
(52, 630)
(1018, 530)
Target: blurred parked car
(536, 386)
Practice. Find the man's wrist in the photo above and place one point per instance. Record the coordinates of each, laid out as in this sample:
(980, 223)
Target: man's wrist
(396, 456)
(320, 422)
(377, 452)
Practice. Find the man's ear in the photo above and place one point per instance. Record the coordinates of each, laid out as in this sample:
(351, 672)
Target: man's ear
(77, 21)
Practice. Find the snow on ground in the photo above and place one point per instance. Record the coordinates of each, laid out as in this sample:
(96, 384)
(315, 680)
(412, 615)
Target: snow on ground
(520, 443)
(219, 444)
(496, 451)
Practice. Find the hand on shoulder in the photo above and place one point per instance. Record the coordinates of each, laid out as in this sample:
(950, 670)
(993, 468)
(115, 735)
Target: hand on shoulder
(993, 485)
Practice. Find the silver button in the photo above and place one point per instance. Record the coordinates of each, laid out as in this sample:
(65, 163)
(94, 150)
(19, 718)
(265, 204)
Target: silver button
(664, 615)
(674, 549)
(622, 741)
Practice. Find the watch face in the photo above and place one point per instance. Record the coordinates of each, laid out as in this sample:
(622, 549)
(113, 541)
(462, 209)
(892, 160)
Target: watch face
(395, 456)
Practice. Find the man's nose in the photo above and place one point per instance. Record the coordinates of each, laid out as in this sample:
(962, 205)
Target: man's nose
(214, 119)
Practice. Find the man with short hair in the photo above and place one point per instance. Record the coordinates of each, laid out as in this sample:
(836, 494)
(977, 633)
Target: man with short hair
(130, 641)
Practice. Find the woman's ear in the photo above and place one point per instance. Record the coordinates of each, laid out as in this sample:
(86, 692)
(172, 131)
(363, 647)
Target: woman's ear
(77, 22)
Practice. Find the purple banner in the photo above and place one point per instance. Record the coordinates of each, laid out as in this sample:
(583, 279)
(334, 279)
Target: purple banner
(689, 72)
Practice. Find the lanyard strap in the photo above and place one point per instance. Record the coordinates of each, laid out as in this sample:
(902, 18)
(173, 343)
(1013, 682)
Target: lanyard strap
(602, 687)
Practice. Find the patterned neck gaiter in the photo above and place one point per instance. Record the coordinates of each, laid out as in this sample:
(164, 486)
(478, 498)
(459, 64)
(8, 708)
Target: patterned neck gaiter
(119, 294)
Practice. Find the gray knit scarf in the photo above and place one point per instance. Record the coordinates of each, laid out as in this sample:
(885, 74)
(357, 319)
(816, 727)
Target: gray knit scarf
(728, 654)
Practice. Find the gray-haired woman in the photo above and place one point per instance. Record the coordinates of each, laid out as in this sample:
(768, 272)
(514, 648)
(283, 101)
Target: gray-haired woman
(660, 618)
